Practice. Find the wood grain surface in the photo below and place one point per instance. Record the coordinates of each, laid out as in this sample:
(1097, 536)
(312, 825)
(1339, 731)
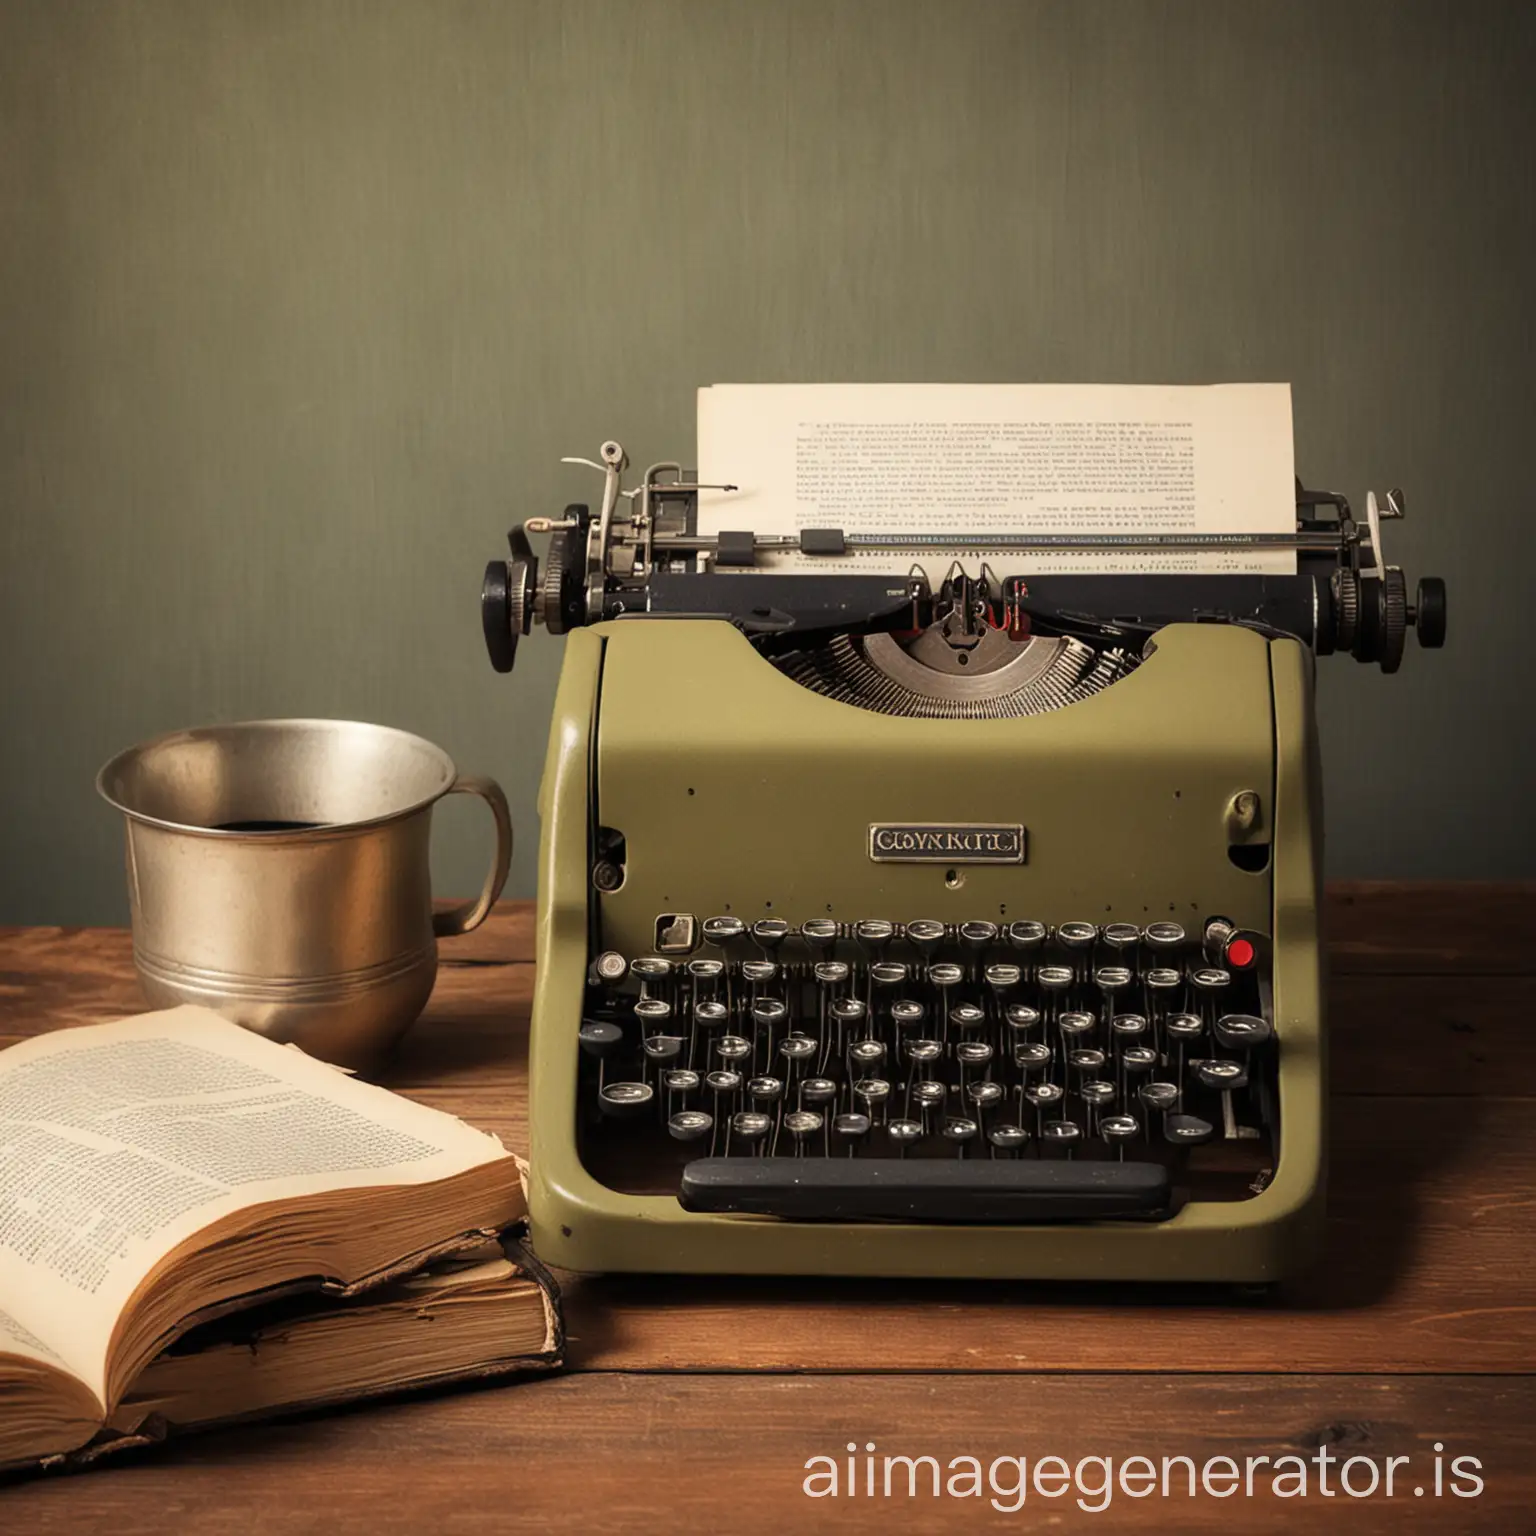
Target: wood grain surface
(698, 1400)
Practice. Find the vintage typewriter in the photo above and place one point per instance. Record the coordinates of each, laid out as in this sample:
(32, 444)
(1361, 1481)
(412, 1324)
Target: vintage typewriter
(968, 927)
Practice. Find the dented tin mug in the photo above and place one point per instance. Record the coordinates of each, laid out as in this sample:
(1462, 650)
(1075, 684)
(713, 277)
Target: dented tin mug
(278, 872)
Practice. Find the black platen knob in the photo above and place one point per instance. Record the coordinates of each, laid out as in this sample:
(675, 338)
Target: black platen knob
(496, 615)
(1429, 613)
(505, 609)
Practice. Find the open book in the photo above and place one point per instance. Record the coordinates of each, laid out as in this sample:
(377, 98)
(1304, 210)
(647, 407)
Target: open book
(486, 1313)
(161, 1170)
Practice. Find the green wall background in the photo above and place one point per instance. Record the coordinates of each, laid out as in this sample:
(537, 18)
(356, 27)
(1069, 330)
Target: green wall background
(300, 304)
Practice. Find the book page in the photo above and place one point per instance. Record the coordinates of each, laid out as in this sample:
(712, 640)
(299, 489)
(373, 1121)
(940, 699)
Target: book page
(119, 1141)
(15, 1339)
(979, 459)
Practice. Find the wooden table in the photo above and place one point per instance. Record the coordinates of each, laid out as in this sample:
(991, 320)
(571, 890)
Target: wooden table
(697, 1403)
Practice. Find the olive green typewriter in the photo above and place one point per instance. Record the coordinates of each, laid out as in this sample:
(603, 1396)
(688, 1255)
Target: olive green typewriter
(959, 928)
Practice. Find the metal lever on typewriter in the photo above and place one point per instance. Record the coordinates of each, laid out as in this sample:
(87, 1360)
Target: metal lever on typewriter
(932, 1190)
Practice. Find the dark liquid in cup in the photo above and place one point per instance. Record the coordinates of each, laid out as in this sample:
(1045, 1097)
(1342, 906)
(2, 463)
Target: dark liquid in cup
(267, 826)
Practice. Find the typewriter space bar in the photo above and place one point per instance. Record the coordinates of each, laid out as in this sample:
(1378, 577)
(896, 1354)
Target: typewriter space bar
(897, 1189)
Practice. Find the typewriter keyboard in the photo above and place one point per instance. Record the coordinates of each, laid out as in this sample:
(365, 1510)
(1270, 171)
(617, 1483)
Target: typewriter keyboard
(933, 1071)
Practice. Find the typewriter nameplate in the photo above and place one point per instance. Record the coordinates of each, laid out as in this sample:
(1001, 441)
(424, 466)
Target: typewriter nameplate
(946, 842)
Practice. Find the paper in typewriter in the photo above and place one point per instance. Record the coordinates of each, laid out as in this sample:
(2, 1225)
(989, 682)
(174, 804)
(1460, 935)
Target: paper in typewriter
(983, 459)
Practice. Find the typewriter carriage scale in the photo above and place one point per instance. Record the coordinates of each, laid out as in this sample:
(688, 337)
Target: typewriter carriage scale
(887, 928)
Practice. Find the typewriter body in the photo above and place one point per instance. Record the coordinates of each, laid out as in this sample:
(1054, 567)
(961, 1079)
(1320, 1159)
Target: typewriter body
(910, 927)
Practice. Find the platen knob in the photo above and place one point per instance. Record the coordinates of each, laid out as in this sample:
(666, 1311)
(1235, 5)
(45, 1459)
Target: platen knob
(504, 609)
(1428, 613)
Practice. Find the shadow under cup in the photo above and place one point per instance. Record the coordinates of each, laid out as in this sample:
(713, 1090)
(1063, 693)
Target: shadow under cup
(279, 872)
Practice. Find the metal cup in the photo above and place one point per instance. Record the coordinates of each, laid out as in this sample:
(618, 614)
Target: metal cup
(278, 872)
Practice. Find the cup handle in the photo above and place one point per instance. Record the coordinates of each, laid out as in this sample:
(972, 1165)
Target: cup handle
(471, 914)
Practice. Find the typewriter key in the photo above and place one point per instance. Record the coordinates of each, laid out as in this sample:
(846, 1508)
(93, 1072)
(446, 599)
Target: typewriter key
(1137, 1059)
(733, 1048)
(960, 1132)
(820, 933)
(1032, 1056)
(1241, 1031)
(906, 1014)
(624, 1101)
(765, 1090)
(768, 1011)
(1007, 1139)
(1187, 1130)
(1054, 978)
(945, 974)
(681, 1081)
(653, 1010)
(690, 1125)
(830, 973)
(1127, 1028)
(722, 1083)
(927, 1097)
(802, 1124)
(1162, 981)
(973, 1053)
(710, 1014)
(984, 1095)
(650, 968)
(873, 1093)
(887, 973)
(1208, 981)
(610, 967)
(1121, 937)
(1061, 1135)
(599, 1038)
(662, 1048)
(1222, 1075)
(769, 932)
(818, 1090)
(797, 1049)
(1159, 1097)
(1026, 936)
(925, 936)
(706, 970)
(1117, 1130)
(966, 1016)
(1164, 936)
(1074, 1025)
(751, 1127)
(1182, 1029)
(759, 972)
(1087, 1062)
(904, 1134)
(1043, 1095)
(866, 1053)
(924, 1054)
(1110, 979)
(1022, 1019)
(1098, 1096)
(978, 935)
(872, 934)
(851, 1129)
(847, 1014)
(1002, 979)
(1077, 935)
(721, 931)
